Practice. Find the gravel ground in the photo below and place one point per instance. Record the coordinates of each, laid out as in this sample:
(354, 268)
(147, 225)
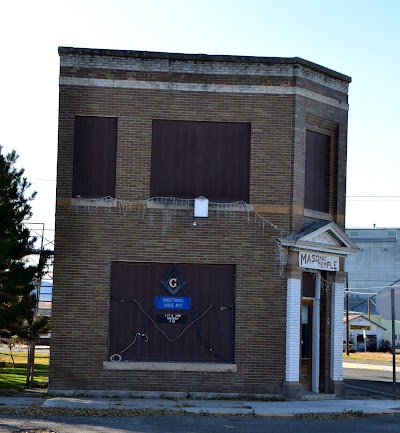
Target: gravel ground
(36, 431)
(60, 411)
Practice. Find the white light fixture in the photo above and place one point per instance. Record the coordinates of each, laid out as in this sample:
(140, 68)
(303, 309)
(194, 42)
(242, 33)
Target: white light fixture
(201, 207)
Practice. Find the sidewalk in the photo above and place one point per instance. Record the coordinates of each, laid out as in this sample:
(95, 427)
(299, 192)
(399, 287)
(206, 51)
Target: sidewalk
(317, 404)
(369, 366)
(220, 407)
(232, 407)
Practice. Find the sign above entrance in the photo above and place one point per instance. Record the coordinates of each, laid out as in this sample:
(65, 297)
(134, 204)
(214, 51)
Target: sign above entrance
(323, 262)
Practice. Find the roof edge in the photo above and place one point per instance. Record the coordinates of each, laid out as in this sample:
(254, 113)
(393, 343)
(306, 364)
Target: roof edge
(304, 239)
(202, 58)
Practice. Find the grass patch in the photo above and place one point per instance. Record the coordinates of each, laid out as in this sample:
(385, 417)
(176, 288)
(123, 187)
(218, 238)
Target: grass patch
(344, 414)
(250, 397)
(15, 377)
(378, 357)
(354, 413)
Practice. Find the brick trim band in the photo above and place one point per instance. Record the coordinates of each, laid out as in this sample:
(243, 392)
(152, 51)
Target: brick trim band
(198, 87)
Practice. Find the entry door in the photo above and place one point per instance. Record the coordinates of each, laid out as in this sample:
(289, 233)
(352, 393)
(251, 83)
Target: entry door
(306, 343)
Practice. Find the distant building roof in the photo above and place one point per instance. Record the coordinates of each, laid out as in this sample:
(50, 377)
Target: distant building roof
(362, 308)
(357, 316)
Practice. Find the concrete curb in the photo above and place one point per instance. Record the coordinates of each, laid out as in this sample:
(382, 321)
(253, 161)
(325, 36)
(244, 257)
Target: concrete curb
(212, 407)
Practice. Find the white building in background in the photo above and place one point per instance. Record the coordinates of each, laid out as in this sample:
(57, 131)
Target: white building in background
(374, 267)
(363, 332)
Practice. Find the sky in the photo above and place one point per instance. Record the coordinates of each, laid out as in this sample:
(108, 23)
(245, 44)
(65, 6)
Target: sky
(359, 38)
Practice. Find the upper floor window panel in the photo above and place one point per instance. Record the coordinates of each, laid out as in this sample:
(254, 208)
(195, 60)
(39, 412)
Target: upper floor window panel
(316, 196)
(190, 159)
(95, 150)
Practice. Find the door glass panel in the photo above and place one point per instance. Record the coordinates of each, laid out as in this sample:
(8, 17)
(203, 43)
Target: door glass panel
(305, 331)
(304, 314)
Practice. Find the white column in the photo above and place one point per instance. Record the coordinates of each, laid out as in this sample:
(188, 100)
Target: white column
(316, 335)
(293, 330)
(337, 331)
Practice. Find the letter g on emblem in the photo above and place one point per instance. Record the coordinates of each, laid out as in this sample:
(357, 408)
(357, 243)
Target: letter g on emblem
(173, 283)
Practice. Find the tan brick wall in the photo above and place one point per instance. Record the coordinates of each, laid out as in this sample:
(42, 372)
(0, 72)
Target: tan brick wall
(87, 240)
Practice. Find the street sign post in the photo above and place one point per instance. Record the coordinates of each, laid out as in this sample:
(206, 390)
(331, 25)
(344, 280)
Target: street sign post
(384, 304)
(388, 306)
(365, 340)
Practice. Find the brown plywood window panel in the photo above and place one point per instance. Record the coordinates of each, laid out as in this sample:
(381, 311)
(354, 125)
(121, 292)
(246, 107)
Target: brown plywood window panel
(316, 196)
(133, 310)
(190, 159)
(308, 284)
(95, 149)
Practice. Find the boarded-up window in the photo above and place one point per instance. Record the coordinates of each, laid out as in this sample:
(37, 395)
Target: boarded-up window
(95, 148)
(316, 195)
(190, 159)
(188, 318)
(308, 284)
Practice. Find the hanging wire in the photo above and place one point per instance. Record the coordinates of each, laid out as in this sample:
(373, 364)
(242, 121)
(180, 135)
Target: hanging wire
(373, 295)
(229, 209)
(116, 357)
(325, 284)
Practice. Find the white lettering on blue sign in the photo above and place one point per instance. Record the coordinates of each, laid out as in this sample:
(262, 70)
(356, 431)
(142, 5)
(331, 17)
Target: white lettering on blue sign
(170, 303)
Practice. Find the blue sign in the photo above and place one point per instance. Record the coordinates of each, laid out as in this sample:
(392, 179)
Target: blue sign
(172, 303)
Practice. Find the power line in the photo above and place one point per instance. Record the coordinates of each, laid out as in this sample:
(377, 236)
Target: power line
(373, 198)
(44, 180)
(366, 288)
(363, 302)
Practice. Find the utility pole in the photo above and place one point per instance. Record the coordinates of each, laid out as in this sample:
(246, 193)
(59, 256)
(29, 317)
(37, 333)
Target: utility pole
(347, 317)
(369, 308)
(392, 297)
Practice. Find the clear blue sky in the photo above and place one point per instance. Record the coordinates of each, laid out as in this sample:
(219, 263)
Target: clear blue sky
(359, 38)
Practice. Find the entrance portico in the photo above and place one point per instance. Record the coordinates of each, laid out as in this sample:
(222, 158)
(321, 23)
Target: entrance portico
(314, 315)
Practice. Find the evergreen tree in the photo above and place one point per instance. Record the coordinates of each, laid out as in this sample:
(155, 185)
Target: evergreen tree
(17, 279)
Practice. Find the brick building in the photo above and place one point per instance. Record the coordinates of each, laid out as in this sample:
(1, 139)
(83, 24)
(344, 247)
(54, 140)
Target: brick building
(242, 295)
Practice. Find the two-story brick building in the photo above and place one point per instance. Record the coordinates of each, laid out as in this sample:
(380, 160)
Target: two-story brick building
(240, 292)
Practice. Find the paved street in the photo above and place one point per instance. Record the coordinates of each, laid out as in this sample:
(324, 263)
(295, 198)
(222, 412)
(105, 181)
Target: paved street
(200, 424)
(379, 382)
(358, 412)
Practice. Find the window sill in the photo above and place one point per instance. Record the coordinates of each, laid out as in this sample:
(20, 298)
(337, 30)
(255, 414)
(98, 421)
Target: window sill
(319, 215)
(211, 367)
(188, 204)
(159, 203)
(89, 202)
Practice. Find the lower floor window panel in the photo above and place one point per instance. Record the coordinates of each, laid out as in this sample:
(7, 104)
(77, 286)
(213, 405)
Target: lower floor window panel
(171, 312)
